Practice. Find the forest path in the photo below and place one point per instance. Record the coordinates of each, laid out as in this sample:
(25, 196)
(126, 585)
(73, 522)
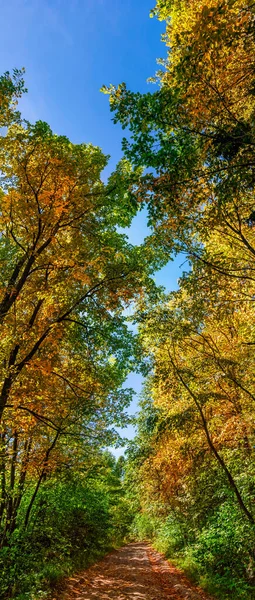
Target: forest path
(135, 572)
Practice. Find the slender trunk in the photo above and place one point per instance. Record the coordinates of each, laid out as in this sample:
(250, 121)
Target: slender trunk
(2, 475)
(212, 447)
(21, 483)
(41, 478)
(10, 501)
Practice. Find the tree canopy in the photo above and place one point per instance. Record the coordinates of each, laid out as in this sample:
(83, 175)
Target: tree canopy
(68, 275)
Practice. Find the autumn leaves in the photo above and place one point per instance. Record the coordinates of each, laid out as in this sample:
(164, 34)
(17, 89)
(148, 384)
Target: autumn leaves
(195, 136)
(66, 275)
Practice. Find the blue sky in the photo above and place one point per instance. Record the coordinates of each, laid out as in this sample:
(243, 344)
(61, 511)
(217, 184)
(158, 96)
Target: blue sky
(70, 48)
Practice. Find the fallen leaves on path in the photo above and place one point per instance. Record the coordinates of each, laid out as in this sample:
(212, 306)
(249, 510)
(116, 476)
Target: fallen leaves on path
(135, 572)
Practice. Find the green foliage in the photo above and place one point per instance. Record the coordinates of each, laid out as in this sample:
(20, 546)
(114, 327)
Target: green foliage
(66, 348)
(220, 556)
(75, 520)
(190, 471)
(225, 551)
(11, 89)
(171, 536)
(190, 160)
(121, 520)
(143, 526)
(197, 525)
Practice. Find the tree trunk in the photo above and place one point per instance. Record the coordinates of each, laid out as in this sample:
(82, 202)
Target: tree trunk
(212, 447)
(43, 472)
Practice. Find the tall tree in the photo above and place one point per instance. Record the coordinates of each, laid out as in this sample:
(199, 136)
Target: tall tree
(62, 258)
(197, 131)
(67, 274)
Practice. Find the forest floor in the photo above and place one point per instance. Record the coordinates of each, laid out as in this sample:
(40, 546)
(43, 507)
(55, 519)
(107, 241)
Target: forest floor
(135, 572)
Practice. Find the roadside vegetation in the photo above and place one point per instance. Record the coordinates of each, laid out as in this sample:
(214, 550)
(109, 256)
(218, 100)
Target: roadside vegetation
(68, 275)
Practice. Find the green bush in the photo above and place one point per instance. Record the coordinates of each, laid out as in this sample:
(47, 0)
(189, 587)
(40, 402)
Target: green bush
(144, 527)
(220, 556)
(225, 550)
(71, 525)
(171, 536)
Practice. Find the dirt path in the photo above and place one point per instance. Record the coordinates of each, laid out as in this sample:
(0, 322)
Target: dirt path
(135, 572)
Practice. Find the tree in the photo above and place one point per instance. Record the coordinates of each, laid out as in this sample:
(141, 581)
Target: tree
(195, 135)
(62, 258)
(67, 274)
(195, 139)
